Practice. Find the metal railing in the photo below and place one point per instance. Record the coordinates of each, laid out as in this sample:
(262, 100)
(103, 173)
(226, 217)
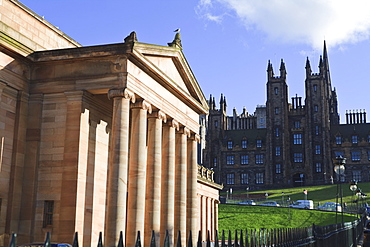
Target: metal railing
(342, 234)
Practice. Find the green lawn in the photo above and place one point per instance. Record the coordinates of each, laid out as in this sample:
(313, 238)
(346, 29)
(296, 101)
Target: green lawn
(321, 193)
(237, 217)
(241, 217)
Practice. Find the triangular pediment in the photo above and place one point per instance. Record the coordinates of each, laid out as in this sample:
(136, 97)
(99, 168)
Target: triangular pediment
(168, 67)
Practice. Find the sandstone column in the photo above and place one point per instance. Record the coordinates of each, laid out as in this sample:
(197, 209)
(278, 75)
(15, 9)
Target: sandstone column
(168, 180)
(192, 200)
(137, 172)
(118, 165)
(153, 184)
(180, 183)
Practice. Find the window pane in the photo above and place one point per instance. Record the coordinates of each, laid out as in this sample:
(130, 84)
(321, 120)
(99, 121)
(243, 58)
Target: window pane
(259, 143)
(244, 159)
(277, 168)
(338, 140)
(230, 178)
(244, 178)
(244, 143)
(230, 145)
(259, 178)
(355, 155)
(298, 157)
(297, 139)
(48, 213)
(259, 158)
(230, 160)
(354, 139)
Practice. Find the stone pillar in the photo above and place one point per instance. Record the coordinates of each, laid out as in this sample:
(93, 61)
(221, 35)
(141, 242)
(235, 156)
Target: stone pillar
(72, 194)
(153, 184)
(118, 166)
(137, 172)
(168, 181)
(191, 193)
(180, 183)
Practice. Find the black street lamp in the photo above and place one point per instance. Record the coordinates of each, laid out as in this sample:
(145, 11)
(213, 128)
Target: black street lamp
(339, 169)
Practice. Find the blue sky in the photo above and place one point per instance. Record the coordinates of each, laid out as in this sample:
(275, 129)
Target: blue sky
(228, 42)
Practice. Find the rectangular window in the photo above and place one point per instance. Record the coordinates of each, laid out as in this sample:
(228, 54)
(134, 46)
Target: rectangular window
(244, 144)
(259, 158)
(244, 159)
(216, 124)
(230, 178)
(368, 155)
(297, 139)
(298, 157)
(355, 155)
(368, 138)
(244, 178)
(314, 87)
(259, 178)
(354, 139)
(230, 145)
(317, 149)
(277, 151)
(48, 213)
(318, 167)
(338, 140)
(276, 90)
(337, 154)
(317, 130)
(316, 108)
(259, 143)
(277, 168)
(230, 160)
(356, 176)
(277, 132)
(297, 124)
(215, 162)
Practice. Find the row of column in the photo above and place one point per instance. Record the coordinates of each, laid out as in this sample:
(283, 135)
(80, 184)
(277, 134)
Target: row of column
(152, 174)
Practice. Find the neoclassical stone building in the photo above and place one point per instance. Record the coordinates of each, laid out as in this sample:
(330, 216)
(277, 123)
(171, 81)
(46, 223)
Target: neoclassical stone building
(98, 139)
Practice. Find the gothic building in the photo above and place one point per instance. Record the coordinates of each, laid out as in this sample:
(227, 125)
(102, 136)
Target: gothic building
(287, 143)
(98, 139)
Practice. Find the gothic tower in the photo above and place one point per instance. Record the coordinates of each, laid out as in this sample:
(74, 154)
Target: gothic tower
(277, 110)
(321, 112)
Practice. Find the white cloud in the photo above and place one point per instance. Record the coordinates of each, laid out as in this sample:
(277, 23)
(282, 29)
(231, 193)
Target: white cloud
(298, 21)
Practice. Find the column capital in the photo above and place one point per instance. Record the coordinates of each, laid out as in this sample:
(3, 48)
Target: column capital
(158, 114)
(174, 124)
(144, 105)
(195, 137)
(121, 92)
(185, 131)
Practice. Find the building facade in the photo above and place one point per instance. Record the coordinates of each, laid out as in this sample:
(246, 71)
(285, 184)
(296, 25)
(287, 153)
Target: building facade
(287, 143)
(98, 139)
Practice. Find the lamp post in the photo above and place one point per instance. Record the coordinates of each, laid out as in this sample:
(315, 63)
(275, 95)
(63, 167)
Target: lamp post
(353, 188)
(339, 169)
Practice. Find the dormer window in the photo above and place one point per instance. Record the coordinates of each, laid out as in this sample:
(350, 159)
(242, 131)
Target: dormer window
(354, 139)
(338, 140)
(259, 143)
(230, 145)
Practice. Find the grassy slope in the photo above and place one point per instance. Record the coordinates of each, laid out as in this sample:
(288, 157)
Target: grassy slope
(237, 217)
(232, 217)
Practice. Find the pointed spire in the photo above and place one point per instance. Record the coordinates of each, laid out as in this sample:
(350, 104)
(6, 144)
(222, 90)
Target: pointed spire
(270, 70)
(221, 100)
(320, 63)
(308, 68)
(176, 41)
(210, 102)
(325, 52)
(225, 102)
(282, 69)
